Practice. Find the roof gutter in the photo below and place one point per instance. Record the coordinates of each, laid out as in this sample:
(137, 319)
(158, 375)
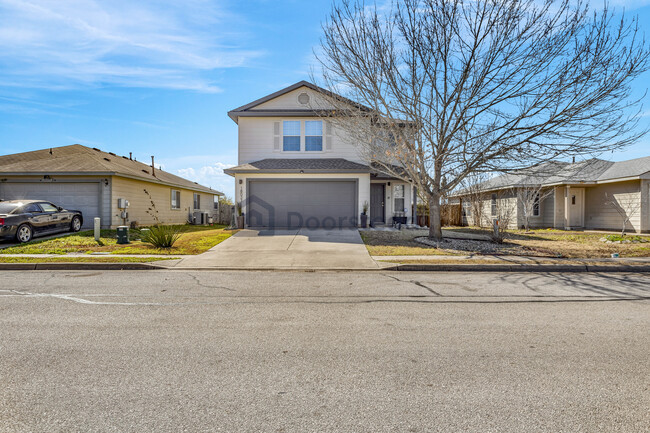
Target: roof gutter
(108, 173)
(292, 171)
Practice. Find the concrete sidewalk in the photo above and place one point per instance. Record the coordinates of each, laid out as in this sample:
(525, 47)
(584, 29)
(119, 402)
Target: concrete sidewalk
(285, 249)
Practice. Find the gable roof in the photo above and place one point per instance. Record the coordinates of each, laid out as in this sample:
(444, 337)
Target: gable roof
(249, 109)
(557, 173)
(78, 160)
(293, 165)
(622, 169)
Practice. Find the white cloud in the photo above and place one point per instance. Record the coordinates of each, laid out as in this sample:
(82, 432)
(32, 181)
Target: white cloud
(210, 175)
(163, 44)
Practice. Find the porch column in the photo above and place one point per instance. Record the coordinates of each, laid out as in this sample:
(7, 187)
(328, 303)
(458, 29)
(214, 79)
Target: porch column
(567, 207)
(414, 214)
(558, 207)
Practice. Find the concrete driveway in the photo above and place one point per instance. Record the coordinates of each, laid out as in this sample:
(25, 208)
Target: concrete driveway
(287, 249)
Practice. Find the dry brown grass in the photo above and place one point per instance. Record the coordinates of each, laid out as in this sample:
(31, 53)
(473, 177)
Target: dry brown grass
(543, 243)
(401, 243)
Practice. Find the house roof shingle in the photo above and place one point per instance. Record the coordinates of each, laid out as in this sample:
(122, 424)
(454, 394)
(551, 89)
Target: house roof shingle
(558, 172)
(290, 165)
(78, 159)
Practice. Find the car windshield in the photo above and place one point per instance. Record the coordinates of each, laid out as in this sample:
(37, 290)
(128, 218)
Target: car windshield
(7, 208)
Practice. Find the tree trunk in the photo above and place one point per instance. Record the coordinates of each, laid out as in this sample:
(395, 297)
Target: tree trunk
(435, 222)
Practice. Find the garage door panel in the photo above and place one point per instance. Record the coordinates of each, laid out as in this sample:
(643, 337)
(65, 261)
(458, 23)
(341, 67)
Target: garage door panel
(302, 203)
(76, 196)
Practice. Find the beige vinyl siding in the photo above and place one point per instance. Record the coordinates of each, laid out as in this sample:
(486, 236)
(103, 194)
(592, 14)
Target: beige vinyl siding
(506, 199)
(289, 101)
(599, 215)
(547, 211)
(256, 142)
(139, 203)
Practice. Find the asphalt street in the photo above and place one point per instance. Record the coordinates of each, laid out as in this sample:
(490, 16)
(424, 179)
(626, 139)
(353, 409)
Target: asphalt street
(173, 351)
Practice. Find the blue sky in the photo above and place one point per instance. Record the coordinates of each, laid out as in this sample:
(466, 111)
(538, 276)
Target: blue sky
(158, 77)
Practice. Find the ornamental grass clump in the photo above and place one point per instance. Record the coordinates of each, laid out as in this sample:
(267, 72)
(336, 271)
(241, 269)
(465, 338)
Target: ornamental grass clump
(161, 236)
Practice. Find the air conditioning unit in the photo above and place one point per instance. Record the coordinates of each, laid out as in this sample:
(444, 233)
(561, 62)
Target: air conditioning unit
(199, 218)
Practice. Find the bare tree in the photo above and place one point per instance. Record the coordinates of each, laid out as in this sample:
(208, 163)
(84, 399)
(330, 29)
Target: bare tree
(446, 88)
(475, 194)
(531, 198)
(503, 209)
(626, 205)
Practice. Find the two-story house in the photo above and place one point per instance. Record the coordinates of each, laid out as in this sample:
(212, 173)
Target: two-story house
(296, 170)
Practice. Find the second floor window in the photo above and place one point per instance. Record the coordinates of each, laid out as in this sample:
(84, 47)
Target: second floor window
(297, 137)
(291, 136)
(313, 135)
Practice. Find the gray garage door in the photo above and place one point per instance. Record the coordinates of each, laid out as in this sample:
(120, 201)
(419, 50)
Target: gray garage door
(76, 196)
(294, 204)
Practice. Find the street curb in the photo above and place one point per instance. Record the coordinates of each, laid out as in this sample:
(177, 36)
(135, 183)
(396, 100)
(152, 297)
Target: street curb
(517, 268)
(397, 267)
(77, 267)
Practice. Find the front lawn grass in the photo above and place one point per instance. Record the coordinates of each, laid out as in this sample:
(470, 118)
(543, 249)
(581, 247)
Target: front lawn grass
(542, 242)
(194, 240)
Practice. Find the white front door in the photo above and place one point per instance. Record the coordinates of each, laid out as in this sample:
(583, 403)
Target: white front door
(576, 207)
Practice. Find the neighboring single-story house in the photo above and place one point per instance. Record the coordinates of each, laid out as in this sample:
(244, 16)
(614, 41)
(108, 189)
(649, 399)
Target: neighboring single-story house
(101, 183)
(594, 194)
(295, 169)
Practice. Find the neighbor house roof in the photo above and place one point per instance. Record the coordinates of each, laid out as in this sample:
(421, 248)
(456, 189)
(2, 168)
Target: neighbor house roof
(321, 165)
(81, 160)
(592, 171)
(250, 110)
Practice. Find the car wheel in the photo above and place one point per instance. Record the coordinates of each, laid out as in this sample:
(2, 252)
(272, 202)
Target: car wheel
(24, 233)
(75, 225)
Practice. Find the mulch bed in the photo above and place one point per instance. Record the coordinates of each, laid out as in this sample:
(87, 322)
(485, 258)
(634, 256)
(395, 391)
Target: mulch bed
(481, 247)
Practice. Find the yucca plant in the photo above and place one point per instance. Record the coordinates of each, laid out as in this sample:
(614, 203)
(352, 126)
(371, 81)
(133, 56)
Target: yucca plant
(161, 236)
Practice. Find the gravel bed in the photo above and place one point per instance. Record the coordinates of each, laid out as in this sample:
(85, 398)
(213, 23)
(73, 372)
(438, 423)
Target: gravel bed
(478, 247)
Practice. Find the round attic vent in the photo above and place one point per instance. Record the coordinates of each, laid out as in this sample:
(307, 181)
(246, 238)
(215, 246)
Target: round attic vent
(303, 98)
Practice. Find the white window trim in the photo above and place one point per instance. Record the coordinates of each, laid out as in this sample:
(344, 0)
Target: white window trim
(539, 206)
(302, 138)
(171, 203)
(194, 197)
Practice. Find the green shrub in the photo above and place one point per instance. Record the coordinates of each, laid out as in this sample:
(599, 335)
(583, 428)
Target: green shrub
(161, 236)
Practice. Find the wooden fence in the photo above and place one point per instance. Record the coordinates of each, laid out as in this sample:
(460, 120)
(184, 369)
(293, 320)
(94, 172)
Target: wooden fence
(224, 214)
(451, 215)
